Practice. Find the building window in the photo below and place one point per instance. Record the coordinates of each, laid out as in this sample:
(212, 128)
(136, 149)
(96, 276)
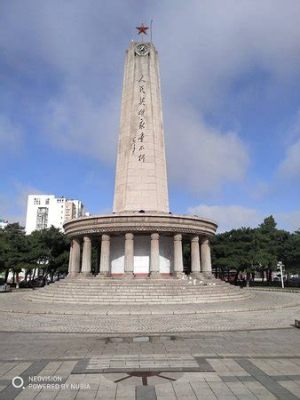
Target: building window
(36, 201)
(47, 202)
(42, 218)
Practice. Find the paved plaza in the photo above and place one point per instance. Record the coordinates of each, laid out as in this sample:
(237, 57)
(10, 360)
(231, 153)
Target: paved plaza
(258, 364)
(234, 350)
(263, 310)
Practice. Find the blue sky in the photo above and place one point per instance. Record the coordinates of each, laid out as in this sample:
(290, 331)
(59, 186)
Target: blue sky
(230, 76)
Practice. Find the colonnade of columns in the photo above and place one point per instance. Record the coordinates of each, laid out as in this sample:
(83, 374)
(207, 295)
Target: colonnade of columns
(200, 256)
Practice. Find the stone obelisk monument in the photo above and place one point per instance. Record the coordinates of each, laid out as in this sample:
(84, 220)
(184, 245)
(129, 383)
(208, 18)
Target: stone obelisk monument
(141, 238)
(141, 178)
(140, 244)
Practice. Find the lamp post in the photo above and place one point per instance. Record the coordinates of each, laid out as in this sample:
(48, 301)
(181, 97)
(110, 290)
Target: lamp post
(280, 265)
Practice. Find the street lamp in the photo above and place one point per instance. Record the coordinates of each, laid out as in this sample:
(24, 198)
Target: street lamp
(280, 265)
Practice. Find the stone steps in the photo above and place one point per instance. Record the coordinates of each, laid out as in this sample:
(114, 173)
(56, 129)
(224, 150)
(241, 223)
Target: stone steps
(133, 281)
(145, 293)
(141, 302)
(104, 283)
(144, 287)
(136, 299)
(147, 302)
(139, 296)
(120, 291)
(134, 296)
(134, 292)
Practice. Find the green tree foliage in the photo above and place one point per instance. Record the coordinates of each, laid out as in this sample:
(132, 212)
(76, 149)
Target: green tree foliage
(46, 250)
(292, 253)
(14, 249)
(50, 250)
(257, 249)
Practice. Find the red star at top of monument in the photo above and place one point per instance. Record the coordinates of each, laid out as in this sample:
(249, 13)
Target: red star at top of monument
(142, 29)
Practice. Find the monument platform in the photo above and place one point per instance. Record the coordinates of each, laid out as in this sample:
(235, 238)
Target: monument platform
(262, 310)
(141, 237)
(140, 243)
(138, 291)
(142, 222)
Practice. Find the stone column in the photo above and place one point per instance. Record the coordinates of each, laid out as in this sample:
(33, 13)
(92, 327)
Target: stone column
(206, 258)
(178, 259)
(97, 270)
(75, 258)
(129, 255)
(154, 257)
(105, 257)
(70, 259)
(86, 256)
(195, 257)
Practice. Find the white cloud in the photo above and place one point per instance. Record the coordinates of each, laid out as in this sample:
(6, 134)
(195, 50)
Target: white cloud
(289, 220)
(259, 190)
(290, 166)
(216, 45)
(229, 217)
(71, 38)
(212, 50)
(201, 158)
(235, 216)
(13, 207)
(76, 48)
(10, 135)
(76, 123)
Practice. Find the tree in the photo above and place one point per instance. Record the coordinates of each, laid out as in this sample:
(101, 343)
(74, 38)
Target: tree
(273, 245)
(14, 249)
(292, 255)
(46, 250)
(232, 251)
(50, 251)
(257, 249)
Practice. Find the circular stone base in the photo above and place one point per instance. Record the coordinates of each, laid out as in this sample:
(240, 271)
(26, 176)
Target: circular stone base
(265, 310)
(130, 291)
(140, 223)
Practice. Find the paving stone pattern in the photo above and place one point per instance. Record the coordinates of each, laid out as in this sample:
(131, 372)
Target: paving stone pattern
(261, 364)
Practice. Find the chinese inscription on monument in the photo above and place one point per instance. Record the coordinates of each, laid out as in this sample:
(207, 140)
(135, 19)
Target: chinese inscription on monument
(138, 144)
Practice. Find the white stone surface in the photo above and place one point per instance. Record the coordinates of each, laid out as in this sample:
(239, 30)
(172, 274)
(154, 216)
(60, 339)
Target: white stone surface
(141, 254)
(86, 255)
(75, 258)
(141, 178)
(166, 258)
(117, 254)
(105, 255)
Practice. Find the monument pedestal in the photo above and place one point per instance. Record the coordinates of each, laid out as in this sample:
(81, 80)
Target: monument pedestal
(178, 275)
(197, 275)
(155, 275)
(85, 275)
(104, 275)
(161, 249)
(128, 275)
(141, 239)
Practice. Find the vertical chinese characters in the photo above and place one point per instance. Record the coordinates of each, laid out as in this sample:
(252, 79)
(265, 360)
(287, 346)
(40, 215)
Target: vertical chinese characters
(138, 144)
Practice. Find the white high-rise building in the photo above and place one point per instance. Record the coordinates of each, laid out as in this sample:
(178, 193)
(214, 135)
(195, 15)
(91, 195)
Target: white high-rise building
(44, 210)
